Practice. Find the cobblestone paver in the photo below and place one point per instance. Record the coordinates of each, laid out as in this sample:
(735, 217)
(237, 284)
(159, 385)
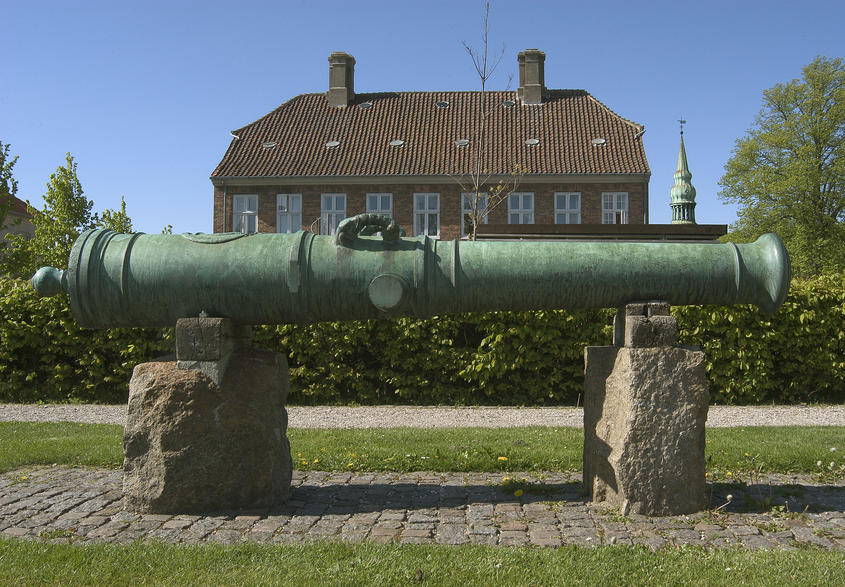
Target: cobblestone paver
(58, 504)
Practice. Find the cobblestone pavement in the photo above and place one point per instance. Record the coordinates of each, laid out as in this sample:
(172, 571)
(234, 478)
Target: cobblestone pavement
(58, 504)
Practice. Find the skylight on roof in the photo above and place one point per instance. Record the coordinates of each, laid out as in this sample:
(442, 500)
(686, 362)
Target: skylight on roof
(332, 144)
(462, 142)
(598, 142)
(365, 105)
(442, 104)
(532, 142)
(267, 145)
(397, 143)
(508, 103)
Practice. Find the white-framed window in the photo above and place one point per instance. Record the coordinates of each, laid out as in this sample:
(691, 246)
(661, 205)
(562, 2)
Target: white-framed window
(427, 214)
(380, 204)
(567, 208)
(521, 208)
(288, 212)
(466, 211)
(332, 211)
(245, 213)
(614, 208)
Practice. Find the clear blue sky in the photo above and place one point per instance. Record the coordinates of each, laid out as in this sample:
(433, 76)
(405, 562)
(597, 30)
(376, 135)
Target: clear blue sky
(144, 93)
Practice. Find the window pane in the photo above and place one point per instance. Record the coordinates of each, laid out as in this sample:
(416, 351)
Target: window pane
(560, 218)
(372, 203)
(432, 202)
(432, 224)
(513, 219)
(386, 203)
(295, 203)
(326, 202)
(526, 202)
(283, 203)
(282, 223)
(513, 202)
(419, 202)
(574, 202)
(295, 222)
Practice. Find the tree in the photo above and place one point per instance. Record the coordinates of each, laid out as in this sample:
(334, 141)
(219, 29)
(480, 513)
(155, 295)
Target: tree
(8, 183)
(66, 213)
(116, 220)
(480, 193)
(788, 172)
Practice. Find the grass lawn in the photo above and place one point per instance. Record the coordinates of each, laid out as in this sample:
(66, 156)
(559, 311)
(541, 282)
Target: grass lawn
(738, 450)
(325, 563)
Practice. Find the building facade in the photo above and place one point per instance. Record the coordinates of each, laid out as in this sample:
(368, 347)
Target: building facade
(563, 156)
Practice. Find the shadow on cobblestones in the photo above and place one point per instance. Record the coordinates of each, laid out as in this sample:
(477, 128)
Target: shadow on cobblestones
(60, 504)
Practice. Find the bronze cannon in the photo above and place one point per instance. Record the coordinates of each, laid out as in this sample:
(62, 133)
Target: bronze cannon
(153, 280)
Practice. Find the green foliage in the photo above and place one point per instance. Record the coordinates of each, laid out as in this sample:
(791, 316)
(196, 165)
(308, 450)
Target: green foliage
(788, 172)
(46, 356)
(116, 220)
(795, 355)
(8, 183)
(520, 358)
(66, 213)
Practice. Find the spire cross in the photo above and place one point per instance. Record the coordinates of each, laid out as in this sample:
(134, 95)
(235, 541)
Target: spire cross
(683, 122)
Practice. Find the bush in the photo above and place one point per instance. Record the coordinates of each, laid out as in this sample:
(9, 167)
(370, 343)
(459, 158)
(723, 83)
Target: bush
(46, 356)
(795, 355)
(504, 358)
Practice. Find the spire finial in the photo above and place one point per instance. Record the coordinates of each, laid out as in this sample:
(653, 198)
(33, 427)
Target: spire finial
(683, 122)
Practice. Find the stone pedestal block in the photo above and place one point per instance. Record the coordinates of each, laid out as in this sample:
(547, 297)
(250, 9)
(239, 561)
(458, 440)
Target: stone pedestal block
(194, 445)
(644, 416)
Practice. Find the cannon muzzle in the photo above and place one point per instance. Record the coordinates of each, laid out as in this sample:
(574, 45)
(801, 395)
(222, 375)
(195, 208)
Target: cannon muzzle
(153, 280)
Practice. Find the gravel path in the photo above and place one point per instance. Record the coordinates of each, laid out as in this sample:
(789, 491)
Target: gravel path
(444, 417)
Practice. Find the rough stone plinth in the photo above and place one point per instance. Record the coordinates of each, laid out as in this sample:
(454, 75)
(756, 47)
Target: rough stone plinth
(644, 415)
(191, 445)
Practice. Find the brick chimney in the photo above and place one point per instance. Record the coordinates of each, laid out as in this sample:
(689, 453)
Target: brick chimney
(532, 78)
(341, 79)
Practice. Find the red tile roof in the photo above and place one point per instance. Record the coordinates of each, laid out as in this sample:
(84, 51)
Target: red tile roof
(565, 125)
(18, 206)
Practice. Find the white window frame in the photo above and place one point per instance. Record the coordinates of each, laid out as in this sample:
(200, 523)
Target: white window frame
(289, 212)
(423, 214)
(330, 216)
(380, 199)
(525, 214)
(568, 213)
(466, 210)
(245, 213)
(614, 208)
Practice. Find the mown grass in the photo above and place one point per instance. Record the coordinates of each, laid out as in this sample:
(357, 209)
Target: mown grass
(738, 450)
(325, 563)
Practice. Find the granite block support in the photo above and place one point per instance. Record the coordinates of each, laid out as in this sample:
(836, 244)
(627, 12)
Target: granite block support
(209, 431)
(645, 407)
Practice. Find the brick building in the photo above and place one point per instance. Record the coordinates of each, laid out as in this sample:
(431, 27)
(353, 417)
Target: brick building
(17, 220)
(318, 158)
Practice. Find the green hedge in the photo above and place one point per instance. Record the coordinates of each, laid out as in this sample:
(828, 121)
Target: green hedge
(45, 356)
(525, 358)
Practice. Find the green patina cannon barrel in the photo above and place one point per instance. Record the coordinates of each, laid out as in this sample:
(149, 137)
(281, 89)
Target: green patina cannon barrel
(153, 280)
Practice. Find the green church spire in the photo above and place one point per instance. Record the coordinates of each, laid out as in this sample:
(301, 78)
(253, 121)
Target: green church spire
(682, 194)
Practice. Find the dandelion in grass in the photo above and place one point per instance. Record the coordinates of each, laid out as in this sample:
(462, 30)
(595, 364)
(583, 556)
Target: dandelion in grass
(316, 461)
(503, 459)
